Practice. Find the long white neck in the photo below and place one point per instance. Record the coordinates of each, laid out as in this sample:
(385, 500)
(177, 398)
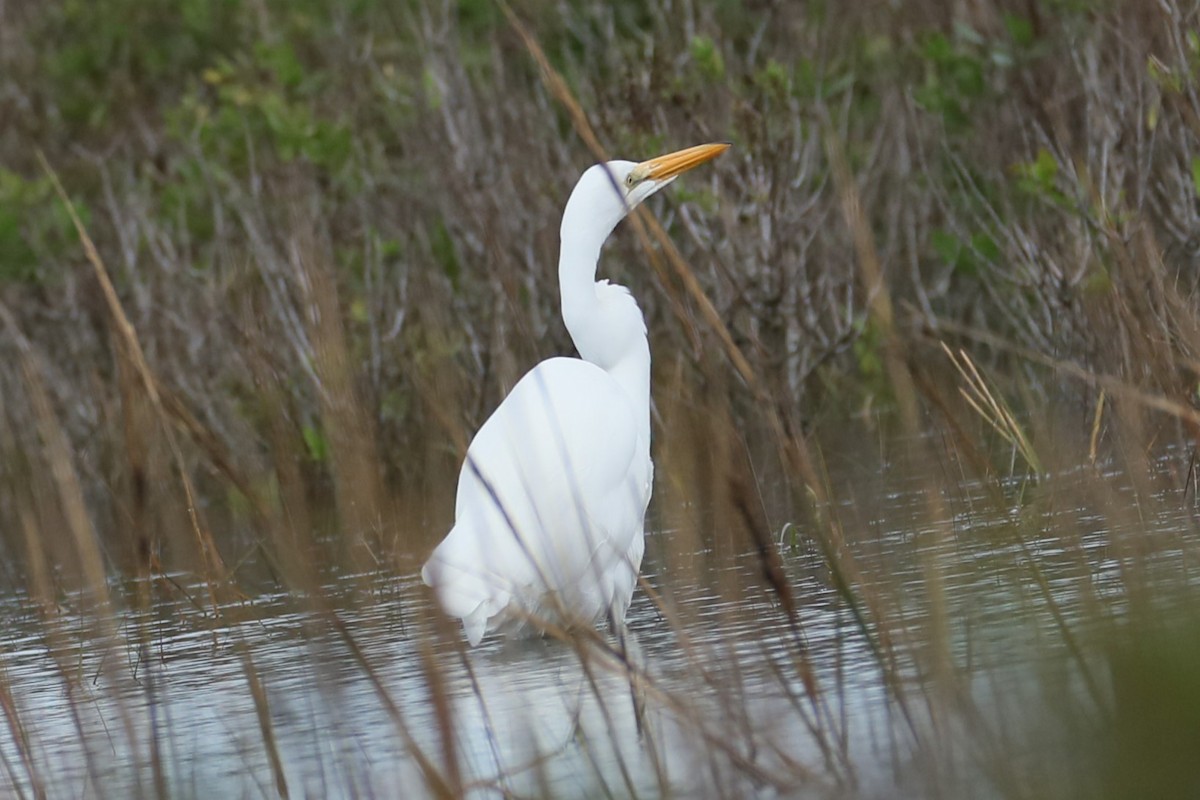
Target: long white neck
(604, 320)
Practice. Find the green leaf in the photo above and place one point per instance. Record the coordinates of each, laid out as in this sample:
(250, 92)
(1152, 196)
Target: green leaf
(1045, 167)
(773, 79)
(280, 59)
(707, 58)
(938, 49)
(1020, 30)
(946, 245)
(314, 440)
(1037, 177)
(986, 247)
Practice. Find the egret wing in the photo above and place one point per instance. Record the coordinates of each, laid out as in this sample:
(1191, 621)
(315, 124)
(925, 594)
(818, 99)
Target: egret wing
(550, 496)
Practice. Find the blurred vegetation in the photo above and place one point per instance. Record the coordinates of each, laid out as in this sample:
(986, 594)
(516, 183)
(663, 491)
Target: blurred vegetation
(1026, 170)
(332, 228)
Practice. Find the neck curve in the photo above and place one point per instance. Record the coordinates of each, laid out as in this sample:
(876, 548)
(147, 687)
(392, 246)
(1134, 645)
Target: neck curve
(604, 320)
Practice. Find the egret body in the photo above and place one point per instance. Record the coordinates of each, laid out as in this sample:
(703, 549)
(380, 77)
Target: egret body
(553, 493)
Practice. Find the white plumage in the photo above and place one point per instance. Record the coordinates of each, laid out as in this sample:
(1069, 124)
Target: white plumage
(553, 493)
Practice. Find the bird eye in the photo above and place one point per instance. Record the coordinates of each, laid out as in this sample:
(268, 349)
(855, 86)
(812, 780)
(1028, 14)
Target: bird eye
(629, 180)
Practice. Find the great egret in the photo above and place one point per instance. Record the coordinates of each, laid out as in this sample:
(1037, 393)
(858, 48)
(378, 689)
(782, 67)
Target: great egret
(553, 493)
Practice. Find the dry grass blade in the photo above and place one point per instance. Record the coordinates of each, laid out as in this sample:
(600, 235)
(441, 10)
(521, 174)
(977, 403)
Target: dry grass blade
(904, 388)
(555, 83)
(439, 785)
(66, 480)
(1111, 384)
(21, 736)
(996, 413)
(992, 409)
(218, 453)
(443, 715)
(262, 712)
(348, 423)
(83, 536)
(878, 297)
(773, 572)
(214, 566)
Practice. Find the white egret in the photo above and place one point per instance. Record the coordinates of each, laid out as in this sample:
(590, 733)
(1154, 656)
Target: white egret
(553, 493)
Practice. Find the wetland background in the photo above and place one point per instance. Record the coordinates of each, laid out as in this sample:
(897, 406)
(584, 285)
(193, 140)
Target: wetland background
(925, 375)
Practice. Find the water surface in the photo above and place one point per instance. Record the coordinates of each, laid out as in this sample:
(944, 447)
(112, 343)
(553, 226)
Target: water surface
(889, 688)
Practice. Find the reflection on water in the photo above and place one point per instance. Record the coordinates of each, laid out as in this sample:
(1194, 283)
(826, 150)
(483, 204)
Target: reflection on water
(720, 705)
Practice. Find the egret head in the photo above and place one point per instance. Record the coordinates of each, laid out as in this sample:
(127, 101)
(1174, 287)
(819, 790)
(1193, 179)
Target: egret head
(607, 192)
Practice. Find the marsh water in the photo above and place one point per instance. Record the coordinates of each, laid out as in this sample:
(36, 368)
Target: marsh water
(961, 643)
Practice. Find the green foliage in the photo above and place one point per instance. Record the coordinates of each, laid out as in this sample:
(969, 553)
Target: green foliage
(965, 256)
(358, 311)
(432, 94)
(809, 82)
(35, 228)
(109, 55)
(1157, 708)
(774, 80)
(959, 68)
(954, 75)
(868, 355)
(1020, 30)
(395, 406)
(707, 59)
(1167, 79)
(260, 104)
(1038, 178)
(1098, 282)
(444, 252)
(699, 195)
(477, 18)
(315, 442)
(477, 21)
(789, 537)
(184, 201)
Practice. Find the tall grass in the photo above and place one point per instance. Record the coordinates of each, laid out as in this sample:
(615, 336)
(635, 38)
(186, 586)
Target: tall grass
(265, 266)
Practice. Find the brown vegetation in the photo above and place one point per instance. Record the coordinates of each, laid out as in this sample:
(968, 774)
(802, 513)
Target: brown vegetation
(325, 239)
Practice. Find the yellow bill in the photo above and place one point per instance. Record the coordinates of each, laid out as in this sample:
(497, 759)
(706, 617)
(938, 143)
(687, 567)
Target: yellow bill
(672, 164)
